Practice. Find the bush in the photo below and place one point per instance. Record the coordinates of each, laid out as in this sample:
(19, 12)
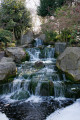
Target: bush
(51, 36)
(15, 17)
(68, 36)
(11, 45)
(5, 36)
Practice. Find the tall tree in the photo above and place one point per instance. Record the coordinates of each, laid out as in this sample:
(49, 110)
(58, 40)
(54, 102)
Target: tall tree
(14, 16)
(47, 7)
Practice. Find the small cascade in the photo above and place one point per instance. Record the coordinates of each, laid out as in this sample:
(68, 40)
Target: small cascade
(34, 85)
(58, 89)
(37, 91)
(39, 42)
(49, 52)
(34, 54)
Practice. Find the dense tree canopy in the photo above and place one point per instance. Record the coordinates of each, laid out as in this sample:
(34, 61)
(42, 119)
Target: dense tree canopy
(14, 16)
(66, 23)
(47, 7)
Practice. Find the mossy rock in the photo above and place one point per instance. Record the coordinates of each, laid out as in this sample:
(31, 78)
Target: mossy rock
(47, 89)
(32, 86)
(56, 55)
(25, 76)
(68, 76)
(8, 79)
(21, 95)
(39, 65)
(73, 93)
(27, 57)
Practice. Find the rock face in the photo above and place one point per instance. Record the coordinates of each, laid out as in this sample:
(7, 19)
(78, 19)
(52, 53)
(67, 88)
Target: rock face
(69, 62)
(60, 47)
(27, 38)
(7, 70)
(18, 54)
(42, 37)
(7, 59)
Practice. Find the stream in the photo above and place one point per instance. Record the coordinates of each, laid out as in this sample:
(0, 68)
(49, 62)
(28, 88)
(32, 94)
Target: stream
(39, 93)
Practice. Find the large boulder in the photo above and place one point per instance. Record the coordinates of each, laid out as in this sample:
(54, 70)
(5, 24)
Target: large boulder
(7, 59)
(69, 62)
(27, 38)
(7, 70)
(18, 54)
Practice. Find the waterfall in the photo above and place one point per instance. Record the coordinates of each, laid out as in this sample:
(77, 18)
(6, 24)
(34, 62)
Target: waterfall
(34, 54)
(38, 87)
(58, 89)
(39, 42)
(49, 52)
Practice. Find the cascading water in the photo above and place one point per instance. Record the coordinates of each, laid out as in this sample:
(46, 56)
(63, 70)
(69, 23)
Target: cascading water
(34, 85)
(39, 42)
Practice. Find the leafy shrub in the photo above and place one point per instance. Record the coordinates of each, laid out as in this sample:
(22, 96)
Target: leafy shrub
(5, 36)
(68, 36)
(51, 36)
(11, 45)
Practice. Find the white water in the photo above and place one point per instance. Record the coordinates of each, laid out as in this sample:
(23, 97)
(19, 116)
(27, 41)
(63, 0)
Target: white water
(34, 99)
(3, 116)
(32, 6)
(39, 42)
(71, 112)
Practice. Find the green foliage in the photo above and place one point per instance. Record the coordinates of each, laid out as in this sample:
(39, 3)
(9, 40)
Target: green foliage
(68, 36)
(47, 89)
(51, 36)
(47, 7)
(14, 16)
(32, 87)
(5, 36)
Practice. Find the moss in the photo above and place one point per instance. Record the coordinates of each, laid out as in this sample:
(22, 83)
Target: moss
(32, 87)
(69, 77)
(27, 56)
(56, 55)
(73, 93)
(25, 76)
(8, 79)
(47, 89)
(21, 95)
(39, 65)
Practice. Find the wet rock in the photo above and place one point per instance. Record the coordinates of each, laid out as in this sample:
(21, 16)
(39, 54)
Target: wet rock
(39, 64)
(7, 70)
(47, 88)
(32, 86)
(33, 111)
(16, 53)
(69, 62)
(73, 92)
(20, 95)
